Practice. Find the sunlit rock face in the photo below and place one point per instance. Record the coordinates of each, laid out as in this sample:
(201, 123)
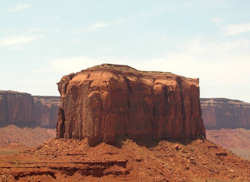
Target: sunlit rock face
(109, 102)
(225, 113)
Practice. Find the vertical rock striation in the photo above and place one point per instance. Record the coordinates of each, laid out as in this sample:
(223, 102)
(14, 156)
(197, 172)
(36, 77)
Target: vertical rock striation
(108, 102)
(45, 111)
(15, 107)
(23, 109)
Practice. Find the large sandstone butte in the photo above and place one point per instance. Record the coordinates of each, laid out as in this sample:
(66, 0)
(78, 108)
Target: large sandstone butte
(220, 113)
(109, 102)
(23, 109)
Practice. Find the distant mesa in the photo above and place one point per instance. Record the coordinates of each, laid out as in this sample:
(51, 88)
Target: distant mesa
(108, 102)
(225, 113)
(25, 110)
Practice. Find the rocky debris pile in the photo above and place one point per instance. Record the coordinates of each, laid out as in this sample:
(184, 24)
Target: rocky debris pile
(75, 160)
(111, 102)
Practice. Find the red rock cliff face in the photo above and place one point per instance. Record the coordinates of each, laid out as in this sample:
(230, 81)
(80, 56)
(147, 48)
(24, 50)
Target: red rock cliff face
(45, 111)
(15, 107)
(108, 102)
(25, 110)
(225, 113)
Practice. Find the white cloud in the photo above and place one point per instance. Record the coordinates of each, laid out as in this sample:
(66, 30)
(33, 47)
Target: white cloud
(216, 20)
(195, 59)
(36, 30)
(227, 61)
(97, 26)
(73, 64)
(235, 29)
(93, 27)
(18, 40)
(100, 25)
(19, 8)
(223, 67)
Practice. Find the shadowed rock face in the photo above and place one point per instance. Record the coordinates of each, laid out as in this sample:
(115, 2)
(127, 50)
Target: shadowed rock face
(225, 113)
(108, 102)
(15, 107)
(23, 109)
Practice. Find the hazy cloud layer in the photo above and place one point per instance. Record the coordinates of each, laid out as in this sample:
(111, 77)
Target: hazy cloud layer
(217, 64)
(18, 40)
(217, 20)
(235, 29)
(205, 39)
(19, 7)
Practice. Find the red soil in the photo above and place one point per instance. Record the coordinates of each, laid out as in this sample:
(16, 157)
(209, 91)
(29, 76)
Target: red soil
(73, 160)
(236, 140)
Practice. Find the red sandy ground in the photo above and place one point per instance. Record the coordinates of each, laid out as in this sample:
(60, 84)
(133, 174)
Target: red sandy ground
(236, 140)
(12, 134)
(73, 160)
(13, 138)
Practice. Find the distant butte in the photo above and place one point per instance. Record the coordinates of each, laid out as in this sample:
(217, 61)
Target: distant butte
(25, 110)
(221, 113)
(108, 102)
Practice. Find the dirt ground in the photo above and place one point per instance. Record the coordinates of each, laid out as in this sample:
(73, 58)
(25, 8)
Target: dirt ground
(165, 161)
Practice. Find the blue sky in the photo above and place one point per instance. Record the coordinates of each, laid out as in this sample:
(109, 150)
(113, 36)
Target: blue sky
(40, 41)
